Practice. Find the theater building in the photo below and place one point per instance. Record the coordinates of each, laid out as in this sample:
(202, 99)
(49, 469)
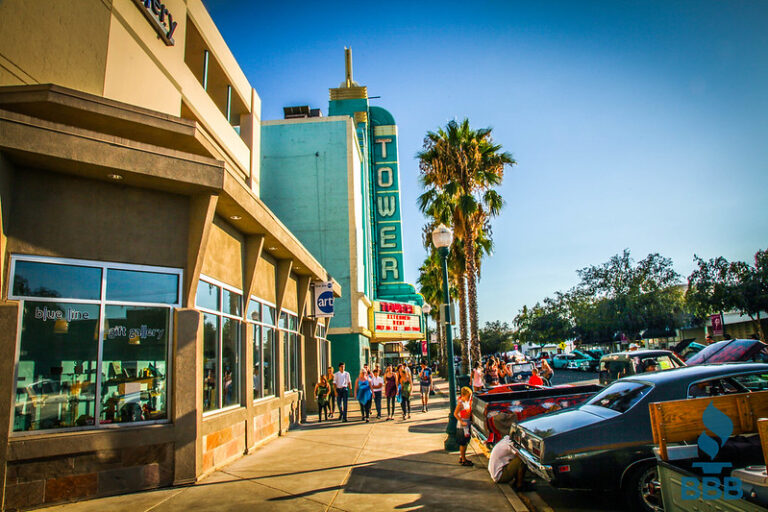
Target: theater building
(155, 318)
(344, 169)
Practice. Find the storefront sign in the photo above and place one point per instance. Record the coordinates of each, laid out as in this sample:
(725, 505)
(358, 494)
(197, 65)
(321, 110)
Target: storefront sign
(160, 19)
(717, 325)
(322, 291)
(53, 315)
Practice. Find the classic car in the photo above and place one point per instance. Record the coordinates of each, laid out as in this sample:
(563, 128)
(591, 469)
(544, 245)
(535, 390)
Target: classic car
(727, 351)
(607, 444)
(583, 362)
(567, 360)
(494, 412)
(624, 364)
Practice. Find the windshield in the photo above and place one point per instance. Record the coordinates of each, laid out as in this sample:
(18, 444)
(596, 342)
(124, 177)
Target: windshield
(723, 352)
(620, 396)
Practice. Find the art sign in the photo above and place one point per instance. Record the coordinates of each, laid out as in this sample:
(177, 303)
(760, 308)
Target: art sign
(322, 293)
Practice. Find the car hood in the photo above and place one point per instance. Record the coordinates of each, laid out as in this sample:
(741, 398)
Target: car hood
(559, 422)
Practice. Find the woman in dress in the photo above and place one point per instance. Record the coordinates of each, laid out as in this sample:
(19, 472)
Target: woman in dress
(322, 391)
(477, 377)
(332, 393)
(364, 394)
(390, 391)
(493, 374)
(406, 384)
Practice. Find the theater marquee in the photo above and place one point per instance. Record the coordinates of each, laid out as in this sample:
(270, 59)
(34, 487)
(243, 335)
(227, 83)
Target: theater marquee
(395, 321)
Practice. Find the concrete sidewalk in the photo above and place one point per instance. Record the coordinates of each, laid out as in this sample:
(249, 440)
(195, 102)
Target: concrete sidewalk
(354, 466)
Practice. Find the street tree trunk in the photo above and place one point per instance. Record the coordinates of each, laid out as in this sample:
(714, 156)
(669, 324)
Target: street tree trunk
(465, 362)
(469, 254)
(758, 324)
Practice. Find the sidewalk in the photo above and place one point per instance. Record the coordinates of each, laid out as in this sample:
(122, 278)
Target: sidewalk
(354, 466)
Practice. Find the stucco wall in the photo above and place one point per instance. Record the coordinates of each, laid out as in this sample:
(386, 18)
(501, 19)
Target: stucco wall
(65, 216)
(46, 34)
(308, 160)
(264, 287)
(224, 255)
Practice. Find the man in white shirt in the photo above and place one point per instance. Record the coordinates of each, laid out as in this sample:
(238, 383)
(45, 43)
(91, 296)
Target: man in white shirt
(343, 382)
(505, 465)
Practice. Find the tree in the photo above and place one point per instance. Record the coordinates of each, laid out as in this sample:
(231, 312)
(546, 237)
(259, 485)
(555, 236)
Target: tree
(718, 285)
(496, 337)
(459, 168)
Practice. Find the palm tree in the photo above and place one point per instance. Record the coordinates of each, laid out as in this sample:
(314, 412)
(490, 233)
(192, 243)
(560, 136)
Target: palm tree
(459, 169)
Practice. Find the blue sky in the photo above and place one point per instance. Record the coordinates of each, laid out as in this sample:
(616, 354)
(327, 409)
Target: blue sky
(640, 125)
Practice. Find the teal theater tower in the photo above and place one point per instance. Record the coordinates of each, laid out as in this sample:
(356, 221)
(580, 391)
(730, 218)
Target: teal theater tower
(335, 182)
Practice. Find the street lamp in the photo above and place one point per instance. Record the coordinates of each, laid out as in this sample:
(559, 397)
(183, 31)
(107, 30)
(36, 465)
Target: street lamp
(426, 309)
(442, 237)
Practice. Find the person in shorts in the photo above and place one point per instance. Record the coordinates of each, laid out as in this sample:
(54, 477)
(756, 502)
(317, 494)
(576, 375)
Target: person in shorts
(425, 384)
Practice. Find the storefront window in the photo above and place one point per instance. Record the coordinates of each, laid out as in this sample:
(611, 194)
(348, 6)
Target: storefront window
(288, 325)
(210, 362)
(94, 361)
(222, 309)
(38, 279)
(263, 349)
(134, 364)
(132, 286)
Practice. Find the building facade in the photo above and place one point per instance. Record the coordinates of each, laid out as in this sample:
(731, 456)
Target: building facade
(344, 169)
(155, 312)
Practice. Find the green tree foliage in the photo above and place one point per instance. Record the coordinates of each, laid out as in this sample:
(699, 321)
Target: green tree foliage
(615, 297)
(718, 285)
(496, 337)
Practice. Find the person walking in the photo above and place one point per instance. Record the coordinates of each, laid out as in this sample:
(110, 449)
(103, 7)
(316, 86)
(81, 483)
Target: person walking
(390, 391)
(462, 413)
(332, 394)
(322, 392)
(343, 382)
(425, 385)
(363, 394)
(405, 390)
(377, 387)
(477, 377)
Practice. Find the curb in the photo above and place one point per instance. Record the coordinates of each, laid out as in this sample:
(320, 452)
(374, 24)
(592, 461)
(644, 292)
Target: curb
(514, 499)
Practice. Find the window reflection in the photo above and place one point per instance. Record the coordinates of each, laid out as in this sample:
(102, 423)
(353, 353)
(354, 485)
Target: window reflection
(135, 286)
(56, 380)
(207, 296)
(210, 362)
(230, 363)
(134, 364)
(268, 347)
(35, 279)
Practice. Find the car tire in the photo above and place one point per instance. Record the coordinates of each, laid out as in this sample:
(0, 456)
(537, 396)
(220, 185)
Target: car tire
(641, 489)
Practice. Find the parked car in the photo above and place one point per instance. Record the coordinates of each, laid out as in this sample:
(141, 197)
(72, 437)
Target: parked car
(607, 443)
(571, 360)
(584, 362)
(624, 364)
(727, 351)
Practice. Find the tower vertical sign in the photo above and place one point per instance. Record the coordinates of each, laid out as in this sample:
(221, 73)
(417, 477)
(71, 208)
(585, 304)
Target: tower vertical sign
(386, 204)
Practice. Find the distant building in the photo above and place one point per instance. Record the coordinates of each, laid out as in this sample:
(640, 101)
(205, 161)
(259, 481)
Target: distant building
(334, 181)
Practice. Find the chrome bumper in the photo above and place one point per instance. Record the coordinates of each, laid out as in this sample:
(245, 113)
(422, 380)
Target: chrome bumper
(535, 466)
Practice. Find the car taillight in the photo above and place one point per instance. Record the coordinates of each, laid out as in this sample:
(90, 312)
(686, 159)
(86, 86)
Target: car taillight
(564, 469)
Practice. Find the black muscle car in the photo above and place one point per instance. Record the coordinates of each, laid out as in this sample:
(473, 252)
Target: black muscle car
(607, 444)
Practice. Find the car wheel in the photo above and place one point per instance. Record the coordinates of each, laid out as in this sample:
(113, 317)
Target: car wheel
(642, 489)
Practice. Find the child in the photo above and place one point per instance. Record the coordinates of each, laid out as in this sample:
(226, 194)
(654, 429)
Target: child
(462, 414)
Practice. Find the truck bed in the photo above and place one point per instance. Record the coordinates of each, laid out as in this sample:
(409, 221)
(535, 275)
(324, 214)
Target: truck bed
(494, 412)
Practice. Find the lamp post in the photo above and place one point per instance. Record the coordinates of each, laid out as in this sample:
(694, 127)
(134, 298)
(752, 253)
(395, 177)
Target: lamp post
(426, 309)
(442, 237)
